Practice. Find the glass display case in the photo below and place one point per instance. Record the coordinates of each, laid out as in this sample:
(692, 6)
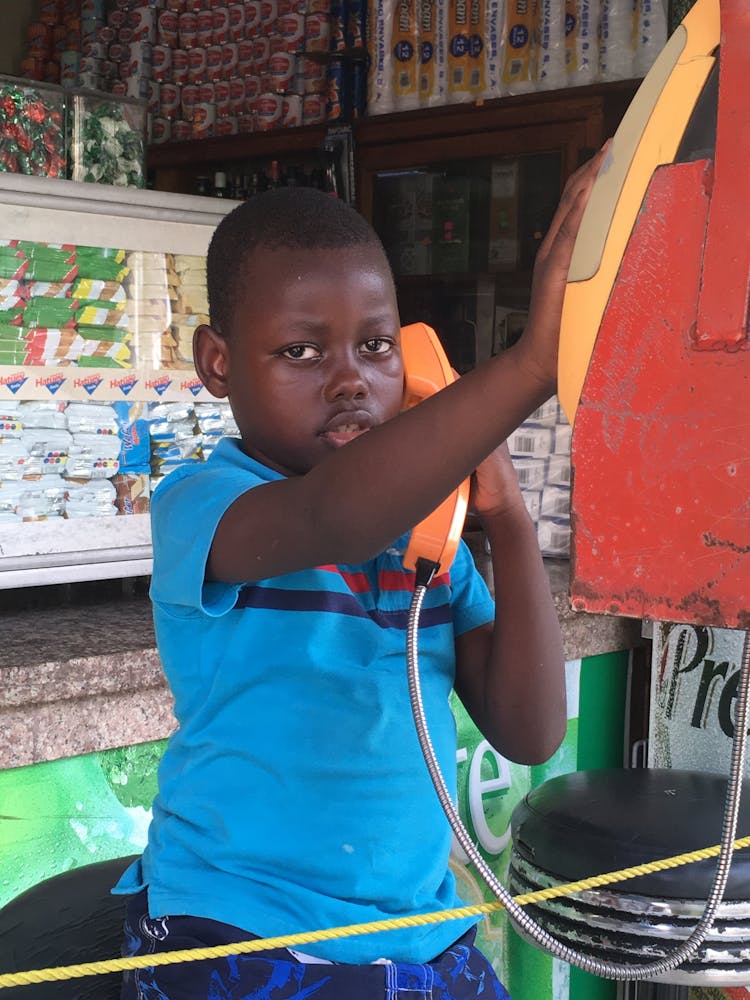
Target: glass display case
(107, 138)
(461, 237)
(462, 197)
(462, 208)
(99, 400)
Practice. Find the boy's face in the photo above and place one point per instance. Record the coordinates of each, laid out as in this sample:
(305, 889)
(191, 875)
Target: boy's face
(312, 359)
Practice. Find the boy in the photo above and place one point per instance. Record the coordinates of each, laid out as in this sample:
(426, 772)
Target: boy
(293, 795)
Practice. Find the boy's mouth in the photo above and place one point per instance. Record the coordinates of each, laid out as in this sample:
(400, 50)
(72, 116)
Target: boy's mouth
(345, 427)
(344, 434)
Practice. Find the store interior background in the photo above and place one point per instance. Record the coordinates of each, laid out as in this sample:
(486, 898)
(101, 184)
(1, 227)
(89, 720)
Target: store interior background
(89, 767)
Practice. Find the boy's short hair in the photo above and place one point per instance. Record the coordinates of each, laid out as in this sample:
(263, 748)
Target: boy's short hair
(295, 218)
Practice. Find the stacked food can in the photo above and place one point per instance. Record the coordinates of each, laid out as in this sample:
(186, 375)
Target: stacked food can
(54, 42)
(221, 67)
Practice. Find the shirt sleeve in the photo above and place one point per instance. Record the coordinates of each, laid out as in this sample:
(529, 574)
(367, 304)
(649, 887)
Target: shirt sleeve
(471, 602)
(185, 513)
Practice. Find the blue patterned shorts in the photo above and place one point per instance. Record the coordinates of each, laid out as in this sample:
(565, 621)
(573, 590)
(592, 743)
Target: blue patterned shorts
(459, 973)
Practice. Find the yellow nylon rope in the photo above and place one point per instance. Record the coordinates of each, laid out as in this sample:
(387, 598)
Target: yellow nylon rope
(63, 972)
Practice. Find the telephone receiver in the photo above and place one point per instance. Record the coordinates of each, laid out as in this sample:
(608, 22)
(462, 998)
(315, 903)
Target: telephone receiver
(426, 371)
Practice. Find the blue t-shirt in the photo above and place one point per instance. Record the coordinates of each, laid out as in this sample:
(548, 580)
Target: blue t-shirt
(293, 796)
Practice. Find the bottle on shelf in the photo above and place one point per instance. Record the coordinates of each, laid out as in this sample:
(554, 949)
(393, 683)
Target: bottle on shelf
(239, 181)
(220, 184)
(236, 187)
(332, 180)
(280, 175)
(329, 180)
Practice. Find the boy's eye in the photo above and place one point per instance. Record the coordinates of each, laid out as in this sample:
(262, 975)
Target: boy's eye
(301, 352)
(378, 345)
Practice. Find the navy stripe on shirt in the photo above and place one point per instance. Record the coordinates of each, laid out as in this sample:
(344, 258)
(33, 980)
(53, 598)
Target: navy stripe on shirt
(278, 599)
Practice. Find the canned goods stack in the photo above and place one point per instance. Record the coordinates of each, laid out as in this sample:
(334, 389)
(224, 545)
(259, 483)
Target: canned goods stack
(53, 42)
(210, 67)
(223, 67)
(88, 44)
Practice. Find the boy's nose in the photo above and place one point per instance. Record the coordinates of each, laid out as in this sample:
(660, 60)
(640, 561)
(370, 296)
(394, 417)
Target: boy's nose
(346, 381)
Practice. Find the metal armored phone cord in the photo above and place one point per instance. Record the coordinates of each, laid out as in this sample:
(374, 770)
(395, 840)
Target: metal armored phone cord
(606, 970)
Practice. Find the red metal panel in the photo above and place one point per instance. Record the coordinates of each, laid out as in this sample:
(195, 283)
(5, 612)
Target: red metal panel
(723, 306)
(661, 444)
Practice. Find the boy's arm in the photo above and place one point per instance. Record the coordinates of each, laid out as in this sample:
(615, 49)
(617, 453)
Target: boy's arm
(511, 678)
(358, 500)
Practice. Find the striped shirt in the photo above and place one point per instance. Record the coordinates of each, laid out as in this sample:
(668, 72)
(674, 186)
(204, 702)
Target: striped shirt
(293, 796)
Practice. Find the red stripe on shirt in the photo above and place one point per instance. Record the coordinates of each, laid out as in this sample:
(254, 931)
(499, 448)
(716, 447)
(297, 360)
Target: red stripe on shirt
(388, 579)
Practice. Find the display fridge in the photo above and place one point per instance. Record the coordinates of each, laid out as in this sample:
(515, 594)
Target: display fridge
(100, 291)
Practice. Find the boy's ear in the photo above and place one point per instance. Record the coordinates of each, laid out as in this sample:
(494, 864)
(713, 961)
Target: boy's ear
(211, 358)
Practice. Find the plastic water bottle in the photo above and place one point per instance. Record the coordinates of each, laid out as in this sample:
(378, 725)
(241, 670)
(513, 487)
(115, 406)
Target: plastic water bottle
(616, 49)
(551, 54)
(651, 34)
(581, 41)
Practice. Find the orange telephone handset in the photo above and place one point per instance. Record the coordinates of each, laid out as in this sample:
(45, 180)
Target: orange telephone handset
(426, 371)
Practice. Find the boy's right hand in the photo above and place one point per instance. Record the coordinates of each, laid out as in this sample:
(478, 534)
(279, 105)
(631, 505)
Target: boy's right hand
(539, 345)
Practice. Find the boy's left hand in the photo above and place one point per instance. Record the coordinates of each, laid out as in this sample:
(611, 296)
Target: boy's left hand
(494, 484)
(495, 490)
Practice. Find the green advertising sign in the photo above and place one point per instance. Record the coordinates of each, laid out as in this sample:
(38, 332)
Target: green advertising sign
(489, 788)
(63, 814)
(67, 813)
